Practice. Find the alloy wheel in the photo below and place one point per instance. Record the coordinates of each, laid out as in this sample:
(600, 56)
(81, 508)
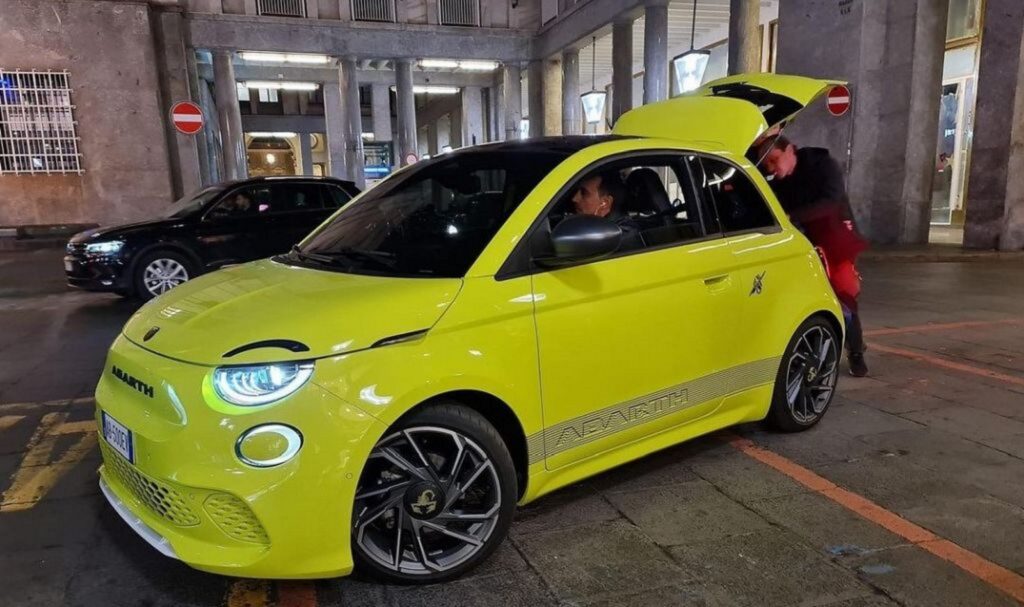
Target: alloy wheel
(811, 374)
(162, 275)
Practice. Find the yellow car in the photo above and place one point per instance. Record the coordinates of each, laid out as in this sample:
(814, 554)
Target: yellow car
(476, 331)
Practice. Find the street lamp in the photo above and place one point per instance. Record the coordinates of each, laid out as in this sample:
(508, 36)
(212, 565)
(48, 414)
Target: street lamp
(689, 67)
(593, 101)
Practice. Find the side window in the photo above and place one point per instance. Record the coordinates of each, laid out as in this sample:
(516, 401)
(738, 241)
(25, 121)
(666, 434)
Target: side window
(292, 197)
(334, 197)
(244, 202)
(737, 202)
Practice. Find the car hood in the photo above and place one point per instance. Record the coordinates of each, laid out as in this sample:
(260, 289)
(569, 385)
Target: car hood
(264, 306)
(115, 231)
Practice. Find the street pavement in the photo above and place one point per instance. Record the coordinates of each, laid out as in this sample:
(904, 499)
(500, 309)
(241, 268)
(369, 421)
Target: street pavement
(910, 492)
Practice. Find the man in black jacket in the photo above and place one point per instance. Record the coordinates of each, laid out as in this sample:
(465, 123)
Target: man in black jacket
(809, 184)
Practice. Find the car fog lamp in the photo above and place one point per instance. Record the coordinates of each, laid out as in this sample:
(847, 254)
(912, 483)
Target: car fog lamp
(260, 384)
(104, 248)
(268, 445)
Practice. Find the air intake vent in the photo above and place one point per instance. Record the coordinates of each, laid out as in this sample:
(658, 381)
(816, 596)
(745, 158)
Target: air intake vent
(373, 10)
(282, 8)
(459, 12)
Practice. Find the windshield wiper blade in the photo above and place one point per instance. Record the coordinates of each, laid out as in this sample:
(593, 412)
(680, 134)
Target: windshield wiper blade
(304, 255)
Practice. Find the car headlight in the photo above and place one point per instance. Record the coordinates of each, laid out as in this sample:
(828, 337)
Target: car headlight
(260, 384)
(104, 248)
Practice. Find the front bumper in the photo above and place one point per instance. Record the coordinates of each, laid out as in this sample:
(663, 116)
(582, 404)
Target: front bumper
(96, 273)
(189, 496)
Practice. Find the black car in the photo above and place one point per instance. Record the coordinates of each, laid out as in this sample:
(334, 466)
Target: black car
(224, 224)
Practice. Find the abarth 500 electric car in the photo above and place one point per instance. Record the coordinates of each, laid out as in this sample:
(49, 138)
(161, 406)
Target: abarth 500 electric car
(477, 330)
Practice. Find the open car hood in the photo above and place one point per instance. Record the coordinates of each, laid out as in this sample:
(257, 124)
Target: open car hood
(733, 111)
(271, 312)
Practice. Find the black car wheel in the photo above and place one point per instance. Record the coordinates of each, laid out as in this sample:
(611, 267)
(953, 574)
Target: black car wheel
(160, 271)
(435, 499)
(807, 377)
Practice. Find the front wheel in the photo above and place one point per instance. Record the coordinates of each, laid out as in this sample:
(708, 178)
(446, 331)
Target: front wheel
(435, 499)
(160, 271)
(806, 381)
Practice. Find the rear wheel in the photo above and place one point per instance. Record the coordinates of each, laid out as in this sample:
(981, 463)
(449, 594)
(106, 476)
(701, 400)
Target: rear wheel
(807, 377)
(160, 271)
(435, 499)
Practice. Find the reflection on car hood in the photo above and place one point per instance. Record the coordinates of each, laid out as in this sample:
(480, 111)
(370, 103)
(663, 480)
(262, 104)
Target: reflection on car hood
(118, 230)
(327, 312)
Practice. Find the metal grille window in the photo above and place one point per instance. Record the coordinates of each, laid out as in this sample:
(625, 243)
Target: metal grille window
(459, 12)
(37, 128)
(373, 10)
(281, 8)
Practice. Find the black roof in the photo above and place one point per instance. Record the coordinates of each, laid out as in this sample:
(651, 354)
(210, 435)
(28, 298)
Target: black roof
(284, 178)
(568, 144)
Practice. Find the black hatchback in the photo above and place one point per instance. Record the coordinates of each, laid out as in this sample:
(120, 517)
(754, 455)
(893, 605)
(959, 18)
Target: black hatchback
(224, 224)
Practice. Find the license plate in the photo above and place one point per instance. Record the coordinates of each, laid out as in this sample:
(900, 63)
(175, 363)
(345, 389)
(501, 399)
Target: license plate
(118, 437)
(69, 266)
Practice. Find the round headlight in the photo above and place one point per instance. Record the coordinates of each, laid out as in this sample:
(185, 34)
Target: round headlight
(260, 384)
(268, 445)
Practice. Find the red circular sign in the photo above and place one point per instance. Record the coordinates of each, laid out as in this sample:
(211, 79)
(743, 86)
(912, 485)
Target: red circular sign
(839, 100)
(187, 117)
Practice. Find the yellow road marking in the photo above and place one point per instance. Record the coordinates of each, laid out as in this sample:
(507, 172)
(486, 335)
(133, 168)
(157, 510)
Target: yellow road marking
(6, 421)
(86, 400)
(249, 593)
(81, 427)
(37, 475)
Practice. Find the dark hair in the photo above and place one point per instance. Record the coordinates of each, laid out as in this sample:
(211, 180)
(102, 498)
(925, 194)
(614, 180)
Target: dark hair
(612, 185)
(778, 143)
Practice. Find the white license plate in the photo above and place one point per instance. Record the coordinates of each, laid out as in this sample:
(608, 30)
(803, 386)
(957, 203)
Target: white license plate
(118, 437)
(69, 266)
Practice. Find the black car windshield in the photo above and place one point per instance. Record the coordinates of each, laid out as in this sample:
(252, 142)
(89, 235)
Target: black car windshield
(432, 220)
(191, 203)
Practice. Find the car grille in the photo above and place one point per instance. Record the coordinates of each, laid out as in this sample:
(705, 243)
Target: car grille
(161, 498)
(75, 248)
(235, 518)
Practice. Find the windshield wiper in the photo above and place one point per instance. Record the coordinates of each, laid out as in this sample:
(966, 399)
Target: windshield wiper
(341, 254)
(303, 255)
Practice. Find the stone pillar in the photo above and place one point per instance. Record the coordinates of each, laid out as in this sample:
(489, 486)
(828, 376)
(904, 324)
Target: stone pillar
(995, 186)
(535, 97)
(432, 147)
(229, 116)
(353, 121)
(334, 118)
(472, 116)
(211, 133)
(744, 37)
(511, 82)
(622, 68)
(381, 100)
(455, 128)
(406, 107)
(552, 96)
(656, 51)
(306, 149)
(572, 112)
(891, 52)
(174, 75)
(499, 104)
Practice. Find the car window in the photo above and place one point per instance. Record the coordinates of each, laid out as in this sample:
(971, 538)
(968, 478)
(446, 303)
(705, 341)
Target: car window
(293, 197)
(335, 197)
(737, 203)
(244, 202)
(192, 203)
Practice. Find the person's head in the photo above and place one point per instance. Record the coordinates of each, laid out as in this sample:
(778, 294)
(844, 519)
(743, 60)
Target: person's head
(779, 157)
(597, 194)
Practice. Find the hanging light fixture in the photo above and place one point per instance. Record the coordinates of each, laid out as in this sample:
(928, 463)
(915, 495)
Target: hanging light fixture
(689, 67)
(593, 102)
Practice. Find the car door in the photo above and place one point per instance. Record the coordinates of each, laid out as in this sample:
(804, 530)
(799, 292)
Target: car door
(632, 344)
(235, 229)
(297, 208)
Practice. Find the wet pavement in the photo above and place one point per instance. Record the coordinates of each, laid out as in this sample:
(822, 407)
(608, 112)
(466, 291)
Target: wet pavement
(910, 492)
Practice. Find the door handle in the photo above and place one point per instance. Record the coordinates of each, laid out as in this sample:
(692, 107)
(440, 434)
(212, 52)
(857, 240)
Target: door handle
(717, 283)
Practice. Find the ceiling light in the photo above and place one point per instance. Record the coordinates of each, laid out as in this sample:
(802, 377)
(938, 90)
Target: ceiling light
(478, 66)
(439, 63)
(689, 69)
(283, 86)
(272, 135)
(433, 89)
(304, 58)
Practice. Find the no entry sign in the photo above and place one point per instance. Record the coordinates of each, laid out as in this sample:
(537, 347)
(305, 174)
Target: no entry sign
(187, 117)
(839, 100)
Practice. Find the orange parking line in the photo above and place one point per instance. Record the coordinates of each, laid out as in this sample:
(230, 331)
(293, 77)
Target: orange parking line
(248, 593)
(949, 364)
(296, 594)
(948, 326)
(998, 577)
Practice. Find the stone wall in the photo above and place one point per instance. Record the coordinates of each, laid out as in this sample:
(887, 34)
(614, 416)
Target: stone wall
(107, 47)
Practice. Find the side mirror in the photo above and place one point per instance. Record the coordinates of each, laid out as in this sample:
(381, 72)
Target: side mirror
(580, 238)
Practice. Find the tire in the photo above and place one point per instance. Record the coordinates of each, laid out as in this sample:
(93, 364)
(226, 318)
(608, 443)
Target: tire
(174, 267)
(806, 382)
(396, 506)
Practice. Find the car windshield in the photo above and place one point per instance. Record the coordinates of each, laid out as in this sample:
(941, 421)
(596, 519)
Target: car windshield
(191, 203)
(431, 220)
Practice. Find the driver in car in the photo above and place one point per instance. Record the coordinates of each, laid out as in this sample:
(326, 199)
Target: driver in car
(602, 195)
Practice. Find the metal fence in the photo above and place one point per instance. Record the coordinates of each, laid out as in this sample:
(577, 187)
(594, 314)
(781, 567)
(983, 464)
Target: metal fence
(373, 10)
(281, 8)
(459, 12)
(37, 126)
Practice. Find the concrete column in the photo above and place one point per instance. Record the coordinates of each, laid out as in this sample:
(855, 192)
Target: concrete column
(353, 121)
(334, 118)
(572, 112)
(552, 96)
(306, 149)
(744, 39)
(432, 147)
(499, 104)
(656, 51)
(229, 116)
(381, 100)
(511, 82)
(212, 137)
(406, 107)
(622, 68)
(995, 186)
(535, 97)
(472, 116)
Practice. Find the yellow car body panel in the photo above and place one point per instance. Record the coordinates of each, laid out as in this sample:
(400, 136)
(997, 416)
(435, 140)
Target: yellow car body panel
(598, 364)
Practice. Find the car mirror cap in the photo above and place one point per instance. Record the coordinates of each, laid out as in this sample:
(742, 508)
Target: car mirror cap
(583, 238)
